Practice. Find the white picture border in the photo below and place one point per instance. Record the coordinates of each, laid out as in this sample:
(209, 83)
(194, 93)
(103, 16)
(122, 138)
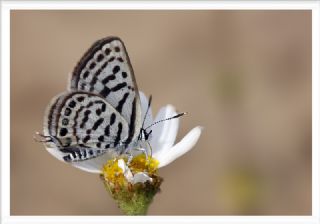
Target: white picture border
(7, 6)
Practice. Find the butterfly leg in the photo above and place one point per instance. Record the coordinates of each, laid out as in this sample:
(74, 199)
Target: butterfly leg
(130, 157)
(144, 151)
(150, 148)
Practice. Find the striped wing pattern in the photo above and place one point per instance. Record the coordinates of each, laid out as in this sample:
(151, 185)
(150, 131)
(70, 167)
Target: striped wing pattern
(105, 69)
(102, 109)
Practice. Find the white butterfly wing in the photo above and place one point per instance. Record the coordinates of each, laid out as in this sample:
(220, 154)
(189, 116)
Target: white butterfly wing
(102, 109)
(105, 69)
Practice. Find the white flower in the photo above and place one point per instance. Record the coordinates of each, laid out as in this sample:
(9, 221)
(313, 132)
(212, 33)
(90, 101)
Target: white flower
(162, 142)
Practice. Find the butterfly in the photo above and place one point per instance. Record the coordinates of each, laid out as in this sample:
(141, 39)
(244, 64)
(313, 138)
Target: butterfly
(101, 111)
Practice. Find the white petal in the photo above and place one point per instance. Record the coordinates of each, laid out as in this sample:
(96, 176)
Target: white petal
(180, 148)
(144, 106)
(164, 134)
(94, 165)
(141, 178)
(122, 165)
(125, 169)
(128, 175)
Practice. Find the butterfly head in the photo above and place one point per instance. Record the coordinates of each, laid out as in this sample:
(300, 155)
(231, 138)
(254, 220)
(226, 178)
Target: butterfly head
(144, 135)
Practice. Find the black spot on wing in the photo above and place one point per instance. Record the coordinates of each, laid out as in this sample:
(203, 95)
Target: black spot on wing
(107, 51)
(70, 151)
(107, 130)
(80, 98)
(103, 107)
(92, 65)
(112, 119)
(95, 79)
(90, 104)
(86, 139)
(97, 123)
(83, 86)
(67, 158)
(75, 153)
(100, 57)
(122, 102)
(72, 104)
(118, 137)
(98, 112)
(116, 69)
(124, 75)
(118, 86)
(97, 73)
(85, 118)
(105, 92)
(74, 127)
(101, 138)
(67, 112)
(63, 132)
(65, 121)
(108, 78)
(132, 122)
(84, 152)
(86, 74)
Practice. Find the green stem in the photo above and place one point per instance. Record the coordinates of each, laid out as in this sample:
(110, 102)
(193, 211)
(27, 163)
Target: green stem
(134, 199)
(134, 203)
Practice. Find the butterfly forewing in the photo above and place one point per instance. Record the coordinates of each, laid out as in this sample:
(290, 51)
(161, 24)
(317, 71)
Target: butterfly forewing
(105, 69)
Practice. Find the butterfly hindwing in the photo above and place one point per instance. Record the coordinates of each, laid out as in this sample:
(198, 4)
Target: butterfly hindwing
(105, 69)
(84, 120)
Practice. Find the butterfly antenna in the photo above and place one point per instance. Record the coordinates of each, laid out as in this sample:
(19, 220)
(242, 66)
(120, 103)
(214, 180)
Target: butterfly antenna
(149, 104)
(166, 119)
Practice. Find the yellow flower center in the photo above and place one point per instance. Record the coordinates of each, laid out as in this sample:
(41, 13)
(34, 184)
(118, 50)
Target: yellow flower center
(141, 164)
(114, 174)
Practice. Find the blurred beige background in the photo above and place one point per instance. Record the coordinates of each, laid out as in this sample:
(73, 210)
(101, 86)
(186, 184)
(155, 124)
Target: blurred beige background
(243, 75)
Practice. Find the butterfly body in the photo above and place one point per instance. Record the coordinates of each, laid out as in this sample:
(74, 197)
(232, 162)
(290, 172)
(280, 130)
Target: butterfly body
(101, 111)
